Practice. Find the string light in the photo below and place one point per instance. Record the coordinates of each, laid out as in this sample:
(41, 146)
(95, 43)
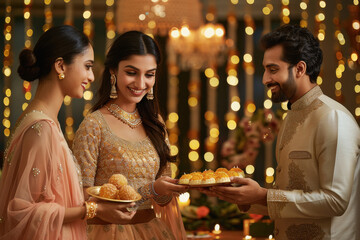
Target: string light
(68, 12)
(356, 35)
(304, 13)
(172, 106)
(357, 94)
(7, 68)
(338, 53)
(194, 108)
(285, 11)
(69, 121)
(109, 22)
(233, 61)
(212, 121)
(212, 125)
(28, 42)
(88, 29)
(248, 65)
(48, 15)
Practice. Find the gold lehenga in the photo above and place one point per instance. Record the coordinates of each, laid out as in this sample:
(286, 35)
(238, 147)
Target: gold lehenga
(101, 154)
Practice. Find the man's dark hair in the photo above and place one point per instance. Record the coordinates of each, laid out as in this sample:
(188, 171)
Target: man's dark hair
(299, 44)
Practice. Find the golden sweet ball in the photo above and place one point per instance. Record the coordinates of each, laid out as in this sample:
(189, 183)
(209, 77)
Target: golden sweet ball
(196, 174)
(118, 180)
(239, 171)
(208, 171)
(208, 176)
(233, 174)
(186, 176)
(185, 179)
(222, 170)
(197, 177)
(220, 175)
(108, 190)
(126, 192)
(211, 174)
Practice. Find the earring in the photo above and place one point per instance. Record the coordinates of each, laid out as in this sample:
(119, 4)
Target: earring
(150, 94)
(113, 93)
(61, 76)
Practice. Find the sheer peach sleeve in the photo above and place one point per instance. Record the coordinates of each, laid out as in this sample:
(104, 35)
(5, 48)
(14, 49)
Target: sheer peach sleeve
(86, 149)
(28, 206)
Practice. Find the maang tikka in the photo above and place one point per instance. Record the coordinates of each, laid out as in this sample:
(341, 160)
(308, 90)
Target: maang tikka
(150, 94)
(113, 92)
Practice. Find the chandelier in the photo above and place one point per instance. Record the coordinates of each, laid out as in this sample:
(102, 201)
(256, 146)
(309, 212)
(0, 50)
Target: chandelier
(198, 48)
(157, 16)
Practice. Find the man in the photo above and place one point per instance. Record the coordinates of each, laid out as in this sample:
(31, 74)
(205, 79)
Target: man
(316, 193)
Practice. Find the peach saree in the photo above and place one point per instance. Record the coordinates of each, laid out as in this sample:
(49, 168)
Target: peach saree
(39, 181)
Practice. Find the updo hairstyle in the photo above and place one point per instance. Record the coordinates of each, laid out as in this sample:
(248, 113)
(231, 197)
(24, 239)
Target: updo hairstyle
(63, 41)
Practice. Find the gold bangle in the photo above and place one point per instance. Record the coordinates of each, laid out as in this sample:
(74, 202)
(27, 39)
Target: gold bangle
(91, 208)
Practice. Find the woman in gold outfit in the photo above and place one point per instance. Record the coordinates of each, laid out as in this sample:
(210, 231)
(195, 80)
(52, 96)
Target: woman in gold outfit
(125, 134)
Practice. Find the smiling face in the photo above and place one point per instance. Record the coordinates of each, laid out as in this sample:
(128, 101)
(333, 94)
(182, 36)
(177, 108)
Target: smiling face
(278, 75)
(78, 74)
(135, 77)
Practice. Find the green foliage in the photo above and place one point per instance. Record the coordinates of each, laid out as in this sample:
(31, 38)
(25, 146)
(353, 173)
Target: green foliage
(226, 214)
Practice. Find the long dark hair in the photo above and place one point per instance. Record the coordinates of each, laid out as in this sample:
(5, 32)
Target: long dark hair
(126, 45)
(61, 41)
(298, 44)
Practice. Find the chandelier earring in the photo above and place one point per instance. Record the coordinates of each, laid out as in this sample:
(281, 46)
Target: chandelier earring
(150, 94)
(113, 92)
(61, 76)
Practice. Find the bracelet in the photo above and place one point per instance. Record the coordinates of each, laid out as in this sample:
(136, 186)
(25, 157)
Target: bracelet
(91, 208)
(153, 190)
(163, 200)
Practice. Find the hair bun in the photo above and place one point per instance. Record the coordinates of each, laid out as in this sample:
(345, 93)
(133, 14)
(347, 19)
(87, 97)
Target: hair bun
(28, 69)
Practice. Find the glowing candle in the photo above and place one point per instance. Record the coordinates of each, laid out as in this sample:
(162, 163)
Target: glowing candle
(216, 229)
(184, 200)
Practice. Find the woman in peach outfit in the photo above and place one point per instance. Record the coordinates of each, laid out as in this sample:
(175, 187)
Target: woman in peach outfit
(125, 134)
(41, 192)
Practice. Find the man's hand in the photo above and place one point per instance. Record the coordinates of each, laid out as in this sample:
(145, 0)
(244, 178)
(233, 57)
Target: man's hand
(249, 192)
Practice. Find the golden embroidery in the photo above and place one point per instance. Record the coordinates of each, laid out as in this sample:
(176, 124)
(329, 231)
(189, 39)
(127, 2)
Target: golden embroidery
(278, 201)
(297, 178)
(60, 168)
(17, 124)
(107, 228)
(9, 158)
(166, 235)
(297, 116)
(120, 228)
(37, 127)
(89, 228)
(305, 232)
(78, 169)
(35, 172)
(100, 154)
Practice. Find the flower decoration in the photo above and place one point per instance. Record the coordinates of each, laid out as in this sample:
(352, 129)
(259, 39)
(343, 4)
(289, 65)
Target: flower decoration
(202, 211)
(242, 149)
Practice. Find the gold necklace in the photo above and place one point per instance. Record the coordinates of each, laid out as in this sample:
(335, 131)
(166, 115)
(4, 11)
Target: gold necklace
(131, 119)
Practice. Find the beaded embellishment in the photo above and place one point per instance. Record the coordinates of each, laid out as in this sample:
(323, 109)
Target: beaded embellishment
(131, 119)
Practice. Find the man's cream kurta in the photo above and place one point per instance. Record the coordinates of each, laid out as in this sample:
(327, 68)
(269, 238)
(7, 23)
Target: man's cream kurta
(316, 193)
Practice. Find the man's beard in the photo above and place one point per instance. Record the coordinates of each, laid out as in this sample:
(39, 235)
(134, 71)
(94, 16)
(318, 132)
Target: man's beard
(287, 90)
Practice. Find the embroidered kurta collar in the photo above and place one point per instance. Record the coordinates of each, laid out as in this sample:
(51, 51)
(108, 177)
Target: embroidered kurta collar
(307, 99)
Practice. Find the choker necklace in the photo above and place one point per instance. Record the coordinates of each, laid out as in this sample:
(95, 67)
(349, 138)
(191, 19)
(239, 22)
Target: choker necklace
(131, 119)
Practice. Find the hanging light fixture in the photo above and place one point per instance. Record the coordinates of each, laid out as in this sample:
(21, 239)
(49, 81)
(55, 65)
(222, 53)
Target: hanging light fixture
(157, 16)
